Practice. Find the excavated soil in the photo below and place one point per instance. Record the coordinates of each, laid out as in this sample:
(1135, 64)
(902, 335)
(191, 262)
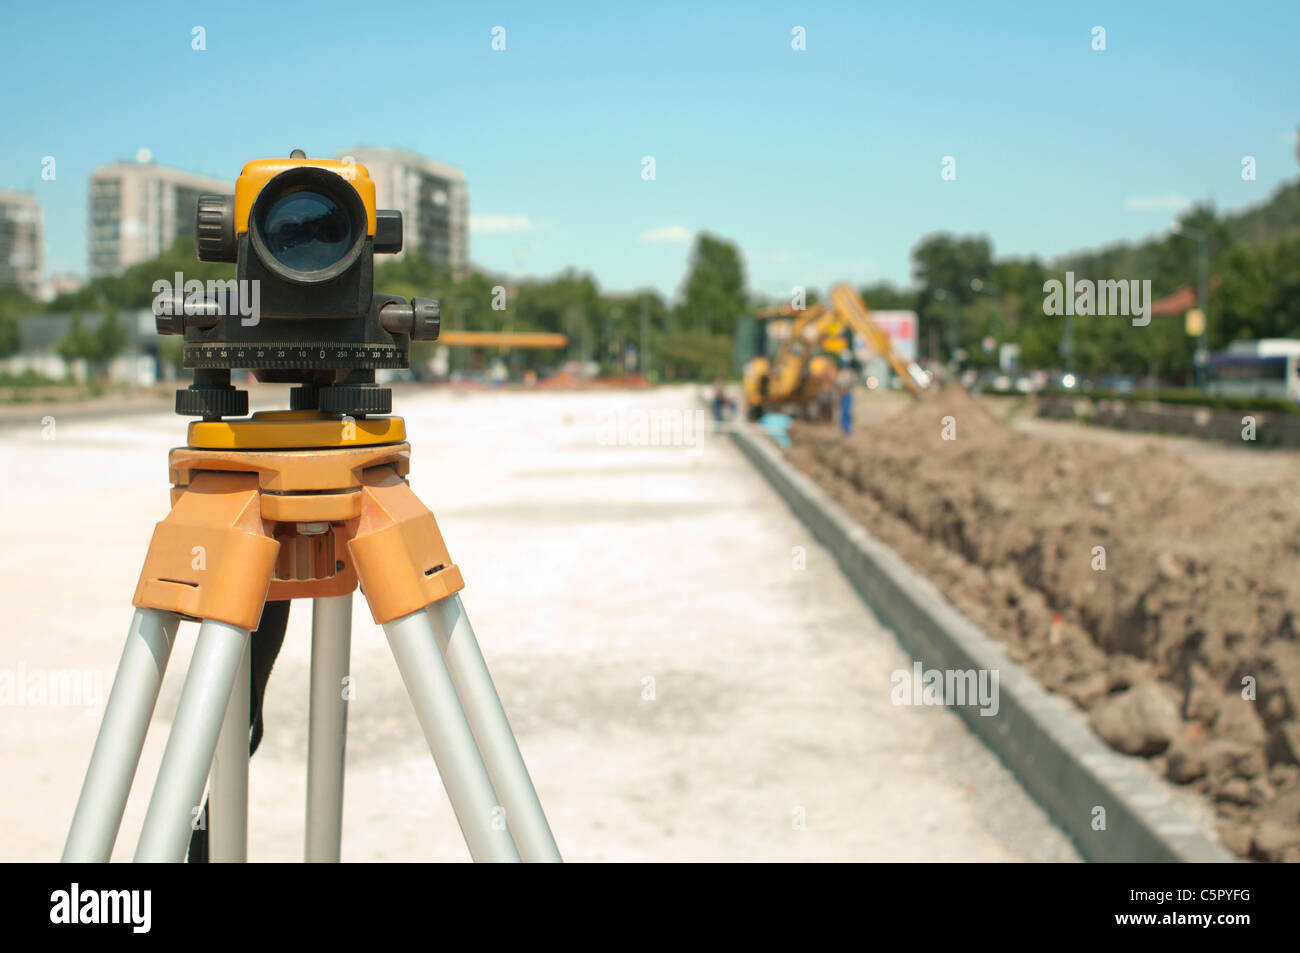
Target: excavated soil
(1162, 600)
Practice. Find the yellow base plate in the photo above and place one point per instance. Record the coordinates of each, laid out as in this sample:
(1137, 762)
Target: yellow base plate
(294, 430)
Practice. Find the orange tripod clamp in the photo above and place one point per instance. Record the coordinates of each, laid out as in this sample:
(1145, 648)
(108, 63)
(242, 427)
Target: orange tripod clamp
(266, 509)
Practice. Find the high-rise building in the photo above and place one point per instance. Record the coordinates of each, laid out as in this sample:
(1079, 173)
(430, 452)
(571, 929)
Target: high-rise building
(22, 241)
(433, 199)
(138, 209)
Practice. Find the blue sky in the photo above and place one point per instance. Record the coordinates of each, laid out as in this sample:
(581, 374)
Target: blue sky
(822, 164)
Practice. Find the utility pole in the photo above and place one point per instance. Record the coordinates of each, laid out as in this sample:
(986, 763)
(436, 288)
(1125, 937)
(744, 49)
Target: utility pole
(1202, 295)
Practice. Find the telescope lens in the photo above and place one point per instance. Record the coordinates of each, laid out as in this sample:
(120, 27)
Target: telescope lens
(307, 231)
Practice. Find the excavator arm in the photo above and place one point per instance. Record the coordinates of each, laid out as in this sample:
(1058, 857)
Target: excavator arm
(798, 370)
(849, 307)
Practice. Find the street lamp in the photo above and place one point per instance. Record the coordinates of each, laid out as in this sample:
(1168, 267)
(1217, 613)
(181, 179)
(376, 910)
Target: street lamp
(1202, 299)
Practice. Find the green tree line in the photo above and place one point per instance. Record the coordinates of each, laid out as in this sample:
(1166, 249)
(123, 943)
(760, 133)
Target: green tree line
(689, 339)
(962, 292)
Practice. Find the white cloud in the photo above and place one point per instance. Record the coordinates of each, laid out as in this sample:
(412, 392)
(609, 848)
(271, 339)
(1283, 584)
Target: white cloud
(1169, 202)
(499, 224)
(668, 233)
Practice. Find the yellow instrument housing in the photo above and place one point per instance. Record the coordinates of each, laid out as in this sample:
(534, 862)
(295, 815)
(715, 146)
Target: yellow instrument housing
(256, 174)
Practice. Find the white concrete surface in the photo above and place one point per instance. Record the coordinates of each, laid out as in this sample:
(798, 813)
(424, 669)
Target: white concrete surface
(592, 568)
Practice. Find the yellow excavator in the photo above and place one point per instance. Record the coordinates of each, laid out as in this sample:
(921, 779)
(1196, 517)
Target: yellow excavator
(805, 361)
(796, 372)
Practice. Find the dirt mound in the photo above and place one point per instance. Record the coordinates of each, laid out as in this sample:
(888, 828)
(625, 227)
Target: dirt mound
(1119, 579)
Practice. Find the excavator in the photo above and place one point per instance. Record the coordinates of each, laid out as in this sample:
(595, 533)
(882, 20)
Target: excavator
(806, 358)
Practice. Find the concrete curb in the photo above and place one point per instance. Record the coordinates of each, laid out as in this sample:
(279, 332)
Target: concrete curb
(1040, 737)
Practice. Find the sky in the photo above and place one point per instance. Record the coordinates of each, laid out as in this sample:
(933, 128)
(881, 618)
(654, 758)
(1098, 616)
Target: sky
(822, 164)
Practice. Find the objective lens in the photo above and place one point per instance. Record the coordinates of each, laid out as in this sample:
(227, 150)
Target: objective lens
(306, 231)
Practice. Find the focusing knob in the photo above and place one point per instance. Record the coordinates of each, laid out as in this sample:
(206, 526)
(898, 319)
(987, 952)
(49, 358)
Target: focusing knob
(214, 228)
(355, 399)
(211, 402)
(426, 319)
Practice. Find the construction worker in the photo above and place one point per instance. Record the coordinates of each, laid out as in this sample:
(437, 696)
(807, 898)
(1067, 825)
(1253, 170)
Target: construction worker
(722, 405)
(844, 385)
(827, 394)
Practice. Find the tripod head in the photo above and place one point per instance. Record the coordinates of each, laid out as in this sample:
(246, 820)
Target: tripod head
(302, 309)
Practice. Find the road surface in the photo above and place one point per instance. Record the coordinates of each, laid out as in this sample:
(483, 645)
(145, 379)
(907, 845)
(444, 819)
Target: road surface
(681, 688)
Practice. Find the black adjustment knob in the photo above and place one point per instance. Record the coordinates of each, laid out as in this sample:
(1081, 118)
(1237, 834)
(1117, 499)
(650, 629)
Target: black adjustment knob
(211, 402)
(426, 319)
(355, 399)
(214, 228)
(304, 397)
(388, 232)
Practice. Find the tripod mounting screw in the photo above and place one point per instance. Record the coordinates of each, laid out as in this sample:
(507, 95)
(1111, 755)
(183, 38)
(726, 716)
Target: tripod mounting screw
(355, 399)
(211, 402)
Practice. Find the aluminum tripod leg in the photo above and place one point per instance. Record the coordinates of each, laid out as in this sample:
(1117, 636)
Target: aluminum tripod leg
(121, 737)
(331, 643)
(496, 742)
(450, 739)
(228, 783)
(178, 792)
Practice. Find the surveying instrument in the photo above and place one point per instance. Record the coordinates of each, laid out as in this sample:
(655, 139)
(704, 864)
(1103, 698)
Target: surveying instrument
(308, 502)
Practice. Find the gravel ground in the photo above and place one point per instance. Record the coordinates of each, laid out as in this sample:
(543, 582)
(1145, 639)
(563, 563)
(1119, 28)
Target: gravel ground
(679, 689)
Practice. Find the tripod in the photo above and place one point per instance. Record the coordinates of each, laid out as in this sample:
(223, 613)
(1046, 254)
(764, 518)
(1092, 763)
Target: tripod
(285, 505)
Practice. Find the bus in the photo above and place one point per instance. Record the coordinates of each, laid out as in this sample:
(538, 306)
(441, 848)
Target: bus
(1266, 368)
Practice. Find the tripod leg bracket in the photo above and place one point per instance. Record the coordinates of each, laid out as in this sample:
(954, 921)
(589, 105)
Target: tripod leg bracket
(400, 558)
(211, 557)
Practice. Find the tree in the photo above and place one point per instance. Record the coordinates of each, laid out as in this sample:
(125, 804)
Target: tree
(1282, 270)
(1240, 305)
(882, 296)
(946, 262)
(14, 303)
(134, 287)
(695, 355)
(714, 298)
(945, 265)
(75, 343)
(109, 339)
(97, 346)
